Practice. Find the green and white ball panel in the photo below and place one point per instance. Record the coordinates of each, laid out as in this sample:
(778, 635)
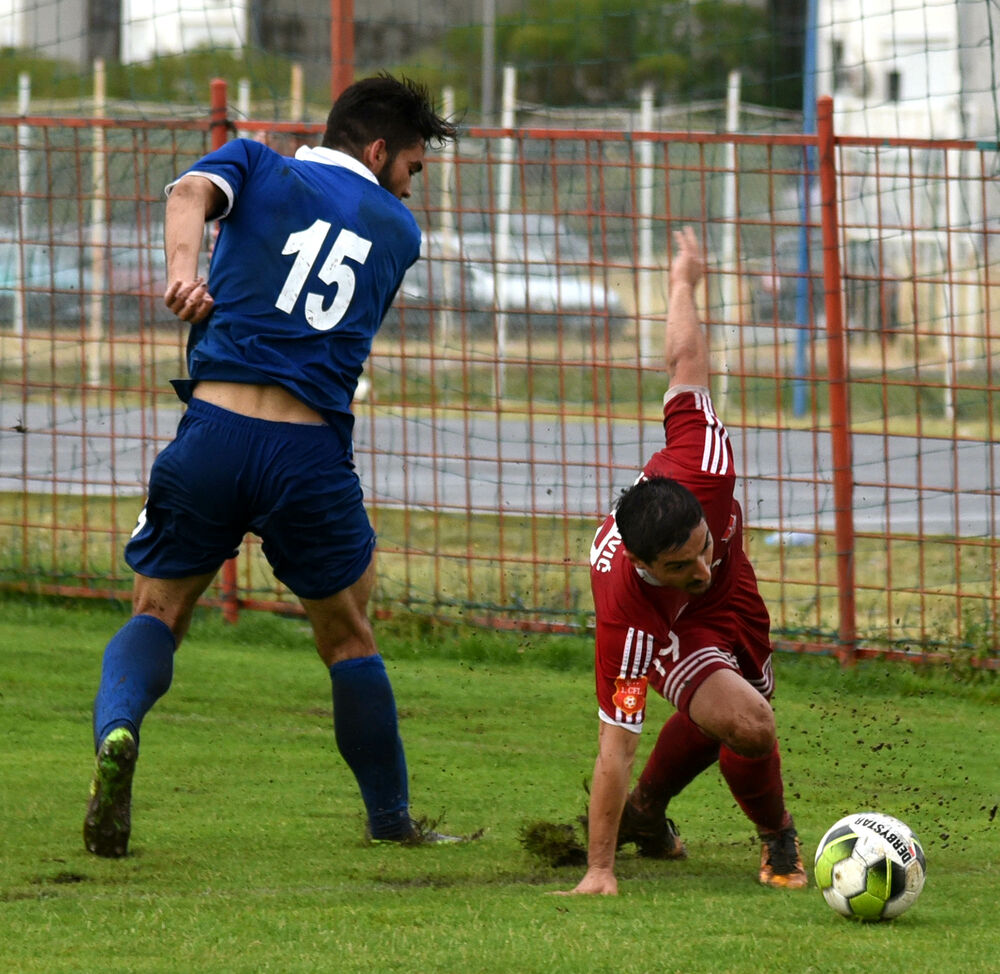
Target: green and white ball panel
(870, 866)
(837, 844)
(913, 882)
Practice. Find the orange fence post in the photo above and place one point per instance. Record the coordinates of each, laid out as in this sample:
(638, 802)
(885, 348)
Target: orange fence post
(840, 427)
(341, 46)
(219, 112)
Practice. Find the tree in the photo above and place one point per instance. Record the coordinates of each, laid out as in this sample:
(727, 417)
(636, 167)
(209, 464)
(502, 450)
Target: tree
(571, 52)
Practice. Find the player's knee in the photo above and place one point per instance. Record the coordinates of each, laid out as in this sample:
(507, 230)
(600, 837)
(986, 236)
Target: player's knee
(756, 743)
(752, 732)
(172, 601)
(728, 709)
(749, 730)
(348, 646)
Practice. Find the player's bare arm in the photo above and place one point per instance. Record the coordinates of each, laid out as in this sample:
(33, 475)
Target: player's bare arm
(612, 774)
(193, 201)
(685, 344)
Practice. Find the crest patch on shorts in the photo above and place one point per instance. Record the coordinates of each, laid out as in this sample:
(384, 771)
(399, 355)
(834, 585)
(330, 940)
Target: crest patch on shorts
(630, 694)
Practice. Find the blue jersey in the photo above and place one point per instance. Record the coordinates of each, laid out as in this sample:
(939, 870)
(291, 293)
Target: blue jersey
(310, 254)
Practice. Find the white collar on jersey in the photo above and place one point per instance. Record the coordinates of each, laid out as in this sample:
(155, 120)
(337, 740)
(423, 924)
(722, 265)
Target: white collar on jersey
(646, 577)
(334, 157)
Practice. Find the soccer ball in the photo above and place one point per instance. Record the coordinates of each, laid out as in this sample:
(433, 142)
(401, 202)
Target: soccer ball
(870, 866)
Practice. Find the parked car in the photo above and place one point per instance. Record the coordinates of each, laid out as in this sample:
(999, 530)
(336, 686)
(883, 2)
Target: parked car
(540, 237)
(135, 279)
(441, 293)
(870, 288)
(52, 284)
(539, 295)
(775, 281)
(58, 279)
(468, 277)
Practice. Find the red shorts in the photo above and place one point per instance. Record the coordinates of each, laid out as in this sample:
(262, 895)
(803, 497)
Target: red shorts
(730, 631)
(727, 639)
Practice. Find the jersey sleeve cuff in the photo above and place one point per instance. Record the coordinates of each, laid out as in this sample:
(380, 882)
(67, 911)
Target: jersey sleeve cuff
(212, 178)
(677, 390)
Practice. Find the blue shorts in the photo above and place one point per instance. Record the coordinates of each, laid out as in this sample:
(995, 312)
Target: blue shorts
(225, 474)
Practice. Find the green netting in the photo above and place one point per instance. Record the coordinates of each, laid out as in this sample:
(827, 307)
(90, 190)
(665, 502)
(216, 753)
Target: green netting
(896, 67)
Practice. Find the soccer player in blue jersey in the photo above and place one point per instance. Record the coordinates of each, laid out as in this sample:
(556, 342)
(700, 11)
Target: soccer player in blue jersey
(309, 255)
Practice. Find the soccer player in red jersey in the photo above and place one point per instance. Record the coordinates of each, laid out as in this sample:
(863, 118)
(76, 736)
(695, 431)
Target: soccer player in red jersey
(678, 610)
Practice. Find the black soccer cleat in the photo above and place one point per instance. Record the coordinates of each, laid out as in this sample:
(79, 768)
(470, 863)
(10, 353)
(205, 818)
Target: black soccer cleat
(655, 836)
(781, 859)
(108, 822)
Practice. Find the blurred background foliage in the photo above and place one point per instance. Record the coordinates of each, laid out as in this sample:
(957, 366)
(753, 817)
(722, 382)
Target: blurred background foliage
(580, 53)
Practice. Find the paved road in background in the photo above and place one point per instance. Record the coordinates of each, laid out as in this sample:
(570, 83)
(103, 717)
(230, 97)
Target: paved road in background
(543, 466)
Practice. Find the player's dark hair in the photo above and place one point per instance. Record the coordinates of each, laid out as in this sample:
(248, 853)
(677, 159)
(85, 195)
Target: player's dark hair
(655, 515)
(384, 107)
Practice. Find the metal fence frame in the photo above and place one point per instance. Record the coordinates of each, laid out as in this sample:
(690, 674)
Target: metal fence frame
(691, 172)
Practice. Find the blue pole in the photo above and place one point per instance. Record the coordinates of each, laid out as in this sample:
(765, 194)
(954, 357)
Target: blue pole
(802, 309)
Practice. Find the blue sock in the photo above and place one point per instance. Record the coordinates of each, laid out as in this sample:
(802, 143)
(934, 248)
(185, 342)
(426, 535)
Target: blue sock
(137, 670)
(367, 731)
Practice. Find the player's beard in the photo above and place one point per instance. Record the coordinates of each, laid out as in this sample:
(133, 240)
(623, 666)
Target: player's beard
(383, 175)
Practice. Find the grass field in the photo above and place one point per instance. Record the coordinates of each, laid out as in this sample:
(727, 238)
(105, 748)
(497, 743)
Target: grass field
(247, 851)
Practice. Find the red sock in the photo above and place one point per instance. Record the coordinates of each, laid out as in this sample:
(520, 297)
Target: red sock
(680, 754)
(757, 787)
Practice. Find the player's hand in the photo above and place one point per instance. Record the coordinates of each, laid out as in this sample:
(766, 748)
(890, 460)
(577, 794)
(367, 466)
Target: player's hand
(687, 266)
(597, 882)
(189, 300)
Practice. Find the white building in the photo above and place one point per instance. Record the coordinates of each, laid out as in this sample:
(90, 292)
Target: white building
(924, 69)
(900, 68)
(79, 30)
(157, 27)
(52, 28)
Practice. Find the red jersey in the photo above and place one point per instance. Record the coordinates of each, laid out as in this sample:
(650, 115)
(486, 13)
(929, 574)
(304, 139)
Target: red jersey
(649, 633)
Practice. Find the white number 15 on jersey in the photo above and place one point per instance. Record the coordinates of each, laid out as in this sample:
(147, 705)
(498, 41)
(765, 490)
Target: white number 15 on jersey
(306, 244)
